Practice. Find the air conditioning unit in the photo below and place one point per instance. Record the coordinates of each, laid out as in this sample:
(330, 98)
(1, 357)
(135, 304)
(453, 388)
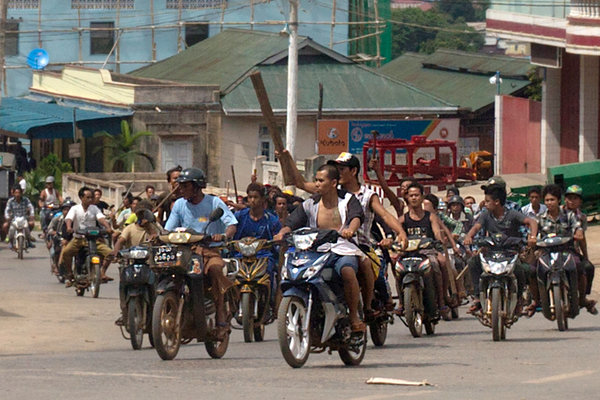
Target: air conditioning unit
(546, 56)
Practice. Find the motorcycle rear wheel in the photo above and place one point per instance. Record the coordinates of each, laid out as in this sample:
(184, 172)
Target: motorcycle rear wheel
(414, 317)
(94, 278)
(497, 320)
(294, 341)
(378, 331)
(20, 247)
(351, 357)
(134, 316)
(166, 325)
(559, 308)
(247, 316)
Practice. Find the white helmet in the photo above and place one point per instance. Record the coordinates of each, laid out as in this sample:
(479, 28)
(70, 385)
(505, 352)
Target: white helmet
(49, 179)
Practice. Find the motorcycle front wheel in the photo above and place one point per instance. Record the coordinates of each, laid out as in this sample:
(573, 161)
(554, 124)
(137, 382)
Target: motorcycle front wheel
(166, 326)
(413, 315)
(217, 349)
(136, 330)
(559, 308)
(378, 331)
(497, 318)
(20, 247)
(294, 341)
(247, 316)
(94, 279)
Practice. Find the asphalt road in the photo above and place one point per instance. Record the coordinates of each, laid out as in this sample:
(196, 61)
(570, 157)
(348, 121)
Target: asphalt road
(56, 345)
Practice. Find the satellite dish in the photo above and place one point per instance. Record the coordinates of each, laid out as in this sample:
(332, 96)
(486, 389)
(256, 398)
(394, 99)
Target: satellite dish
(38, 58)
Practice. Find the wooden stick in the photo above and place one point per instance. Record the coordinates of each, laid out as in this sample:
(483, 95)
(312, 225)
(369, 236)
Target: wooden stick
(155, 209)
(462, 272)
(285, 159)
(234, 184)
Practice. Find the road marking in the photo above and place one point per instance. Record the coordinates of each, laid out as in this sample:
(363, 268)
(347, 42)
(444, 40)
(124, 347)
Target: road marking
(561, 377)
(131, 375)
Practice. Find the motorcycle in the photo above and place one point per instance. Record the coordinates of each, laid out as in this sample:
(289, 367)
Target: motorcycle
(415, 286)
(53, 209)
(137, 283)
(557, 280)
(498, 284)
(184, 308)
(55, 241)
(254, 284)
(20, 241)
(88, 264)
(312, 316)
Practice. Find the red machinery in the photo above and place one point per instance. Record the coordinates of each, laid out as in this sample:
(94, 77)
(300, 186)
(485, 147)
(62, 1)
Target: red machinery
(428, 172)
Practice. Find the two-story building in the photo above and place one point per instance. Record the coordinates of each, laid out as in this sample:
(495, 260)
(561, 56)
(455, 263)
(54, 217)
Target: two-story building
(565, 41)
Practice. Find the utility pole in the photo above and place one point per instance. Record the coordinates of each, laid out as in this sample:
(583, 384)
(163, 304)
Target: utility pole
(3, 17)
(292, 84)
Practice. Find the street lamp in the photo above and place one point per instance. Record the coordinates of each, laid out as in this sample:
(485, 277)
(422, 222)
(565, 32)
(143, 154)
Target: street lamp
(497, 80)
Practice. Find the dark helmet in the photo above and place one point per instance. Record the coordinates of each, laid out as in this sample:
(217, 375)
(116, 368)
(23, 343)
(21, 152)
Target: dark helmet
(456, 199)
(195, 175)
(67, 203)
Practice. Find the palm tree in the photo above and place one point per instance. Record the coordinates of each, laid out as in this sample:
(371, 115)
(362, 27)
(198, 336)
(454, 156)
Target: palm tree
(123, 148)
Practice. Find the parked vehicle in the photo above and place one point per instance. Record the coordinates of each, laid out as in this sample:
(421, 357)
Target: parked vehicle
(416, 287)
(20, 240)
(185, 309)
(254, 284)
(138, 285)
(312, 316)
(498, 285)
(88, 264)
(557, 280)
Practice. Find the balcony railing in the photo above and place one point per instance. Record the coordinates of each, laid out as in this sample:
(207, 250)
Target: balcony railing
(585, 9)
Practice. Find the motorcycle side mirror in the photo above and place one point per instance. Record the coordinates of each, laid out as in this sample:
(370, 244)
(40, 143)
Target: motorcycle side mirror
(216, 214)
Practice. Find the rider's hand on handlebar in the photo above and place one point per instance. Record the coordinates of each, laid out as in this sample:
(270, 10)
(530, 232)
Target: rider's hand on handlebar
(347, 233)
(218, 238)
(531, 241)
(70, 230)
(468, 241)
(386, 243)
(278, 237)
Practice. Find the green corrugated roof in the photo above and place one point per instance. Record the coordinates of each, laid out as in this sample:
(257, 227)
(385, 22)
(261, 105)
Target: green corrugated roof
(466, 89)
(346, 88)
(220, 59)
(227, 58)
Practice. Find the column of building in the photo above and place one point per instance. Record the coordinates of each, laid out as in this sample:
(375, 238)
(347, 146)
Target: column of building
(551, 118)
(588, 103)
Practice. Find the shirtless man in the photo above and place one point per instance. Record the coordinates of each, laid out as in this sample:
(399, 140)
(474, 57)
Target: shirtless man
(339, 210)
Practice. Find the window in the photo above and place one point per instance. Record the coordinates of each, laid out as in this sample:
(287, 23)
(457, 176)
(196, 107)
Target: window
(102, 4)
(11, 44)
(194, 3)
(22, 4)
(195, 33)
(102, 37)
(265, 143)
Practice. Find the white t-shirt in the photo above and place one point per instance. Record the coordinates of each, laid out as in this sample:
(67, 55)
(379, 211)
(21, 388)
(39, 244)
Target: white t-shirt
(84, 219)
(23, 184)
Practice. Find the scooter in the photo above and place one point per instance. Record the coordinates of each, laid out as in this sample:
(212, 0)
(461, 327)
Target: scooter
(557, 280)
(313, 316)
(87, 264)
(20, 226)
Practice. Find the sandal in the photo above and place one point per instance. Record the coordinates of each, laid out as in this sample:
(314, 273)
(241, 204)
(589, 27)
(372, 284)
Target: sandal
(221, 331)
(371, 315)
(106, 278)
(399, 311)
(389, 306)
(530, 310)
(358, 327)
(591, 307)
(445, 313)
(475, 308)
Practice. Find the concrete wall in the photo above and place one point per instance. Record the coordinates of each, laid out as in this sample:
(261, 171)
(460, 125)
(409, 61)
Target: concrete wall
(240, 141)
(65, 44)
(521, 135)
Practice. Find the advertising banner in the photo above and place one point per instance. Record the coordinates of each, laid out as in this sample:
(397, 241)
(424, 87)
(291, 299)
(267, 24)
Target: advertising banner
(333, 136)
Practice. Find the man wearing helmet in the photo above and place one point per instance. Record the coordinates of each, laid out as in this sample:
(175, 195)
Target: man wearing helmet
(192, 211)
(48, 197)
(57, 227)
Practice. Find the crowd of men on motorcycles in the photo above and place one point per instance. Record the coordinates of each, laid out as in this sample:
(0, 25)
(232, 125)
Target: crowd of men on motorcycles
(191, 264)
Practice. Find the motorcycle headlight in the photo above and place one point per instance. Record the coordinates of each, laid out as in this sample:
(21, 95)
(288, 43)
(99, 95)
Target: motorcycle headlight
(179, 237)
(138, 253)
(425, 264)
(304, 242)
(21, 223)
(248, 249)
(316, 267)
(399, 267)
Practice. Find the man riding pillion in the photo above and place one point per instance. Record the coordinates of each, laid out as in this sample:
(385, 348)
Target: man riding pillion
(56, 226)
(192, 211)
(338, 210)
(18, 206)
(497, 218)
(255, 222)
(348, 166)
(48, 196)
(82, 216)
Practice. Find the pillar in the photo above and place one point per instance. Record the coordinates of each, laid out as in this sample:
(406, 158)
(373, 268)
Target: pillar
(550, 143)
(588, 103)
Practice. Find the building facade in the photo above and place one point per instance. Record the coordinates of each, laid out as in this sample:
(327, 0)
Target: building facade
(124, 35)
(565, 42)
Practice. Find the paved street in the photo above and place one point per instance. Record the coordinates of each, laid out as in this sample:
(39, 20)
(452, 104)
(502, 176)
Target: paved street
(56, 345)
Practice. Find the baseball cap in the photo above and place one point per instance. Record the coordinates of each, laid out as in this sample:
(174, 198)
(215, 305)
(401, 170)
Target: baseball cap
(575, 189)
(346, 160)
(494, 180)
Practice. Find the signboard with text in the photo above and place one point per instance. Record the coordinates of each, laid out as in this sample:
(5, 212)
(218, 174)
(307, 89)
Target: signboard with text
(334, 134)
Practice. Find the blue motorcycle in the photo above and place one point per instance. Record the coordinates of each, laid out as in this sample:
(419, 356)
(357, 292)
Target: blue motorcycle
(313, 316)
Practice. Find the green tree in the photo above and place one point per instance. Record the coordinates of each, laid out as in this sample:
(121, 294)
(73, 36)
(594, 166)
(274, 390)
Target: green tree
(456, 9)
(534, 91)
(123, 148)
(49, 166)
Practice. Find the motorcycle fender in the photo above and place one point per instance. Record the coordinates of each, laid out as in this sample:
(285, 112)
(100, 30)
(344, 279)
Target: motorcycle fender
(497, 284)
(295, 291)
(328, 325)
(411, 278)
(133, 292)
(246, 289)
(164, 286)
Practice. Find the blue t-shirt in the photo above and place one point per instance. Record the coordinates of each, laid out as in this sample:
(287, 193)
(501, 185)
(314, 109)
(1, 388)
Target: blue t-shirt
(264, 228)
(195, 216)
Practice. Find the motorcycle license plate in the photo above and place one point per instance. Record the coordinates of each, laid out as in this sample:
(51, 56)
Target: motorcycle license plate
(165, 254)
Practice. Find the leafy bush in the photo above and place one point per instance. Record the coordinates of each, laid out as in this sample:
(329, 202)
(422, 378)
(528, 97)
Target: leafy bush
(49, 166)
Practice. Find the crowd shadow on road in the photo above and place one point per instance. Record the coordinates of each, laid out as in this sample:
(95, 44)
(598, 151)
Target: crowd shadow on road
(541, 339)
